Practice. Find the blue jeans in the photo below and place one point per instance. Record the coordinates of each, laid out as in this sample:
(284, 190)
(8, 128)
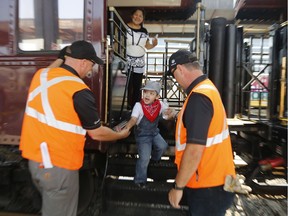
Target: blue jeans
(153, 146)
(212, 201)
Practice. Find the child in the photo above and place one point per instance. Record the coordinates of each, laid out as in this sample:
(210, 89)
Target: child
(145, 116)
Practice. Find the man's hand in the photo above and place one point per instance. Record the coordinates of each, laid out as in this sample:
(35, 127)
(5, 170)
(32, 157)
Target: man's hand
(175, 197)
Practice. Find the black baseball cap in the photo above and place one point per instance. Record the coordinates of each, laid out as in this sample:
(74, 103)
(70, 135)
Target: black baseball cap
(83, 50)
(182, 56)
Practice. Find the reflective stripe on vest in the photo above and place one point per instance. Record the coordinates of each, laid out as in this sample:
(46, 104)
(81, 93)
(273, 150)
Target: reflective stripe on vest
(218, 138)
(179, 146)
(205, 86)
(48, 116)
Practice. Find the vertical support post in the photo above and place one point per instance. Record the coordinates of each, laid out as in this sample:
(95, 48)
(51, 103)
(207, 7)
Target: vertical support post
(229, 81)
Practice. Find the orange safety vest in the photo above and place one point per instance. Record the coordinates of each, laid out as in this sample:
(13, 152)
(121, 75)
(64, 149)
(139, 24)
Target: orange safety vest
(217, 158)
(50, 117)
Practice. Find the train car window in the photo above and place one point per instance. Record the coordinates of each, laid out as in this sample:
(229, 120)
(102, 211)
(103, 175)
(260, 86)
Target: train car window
(4, 29)
(50, 25)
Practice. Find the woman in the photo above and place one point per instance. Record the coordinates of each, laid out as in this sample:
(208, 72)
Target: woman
(60, 58)
(137, 43)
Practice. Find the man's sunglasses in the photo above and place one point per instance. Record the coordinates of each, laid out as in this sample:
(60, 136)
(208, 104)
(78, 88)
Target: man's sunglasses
(173, 71)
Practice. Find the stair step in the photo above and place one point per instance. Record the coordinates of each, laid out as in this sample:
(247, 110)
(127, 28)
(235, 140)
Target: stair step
(125, 166)
(131, 209)
(125, 198)
(127, 191)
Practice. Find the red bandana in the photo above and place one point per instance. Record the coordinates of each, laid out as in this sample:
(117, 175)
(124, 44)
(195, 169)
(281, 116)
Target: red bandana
(151, 111)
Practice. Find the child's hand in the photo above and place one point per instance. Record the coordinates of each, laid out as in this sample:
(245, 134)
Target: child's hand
(125, 132)
(169, 113)
(117, 128)
(120, 126)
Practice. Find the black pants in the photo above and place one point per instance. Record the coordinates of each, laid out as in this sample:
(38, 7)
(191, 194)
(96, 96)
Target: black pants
(212, 201)
(134, 92)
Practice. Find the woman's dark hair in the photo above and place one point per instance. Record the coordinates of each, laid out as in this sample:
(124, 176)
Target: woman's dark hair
(141, 9)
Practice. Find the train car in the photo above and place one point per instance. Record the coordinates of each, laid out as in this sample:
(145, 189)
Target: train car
(32, 33)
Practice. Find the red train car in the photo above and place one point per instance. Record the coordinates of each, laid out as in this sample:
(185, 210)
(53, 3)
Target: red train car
(32, 33)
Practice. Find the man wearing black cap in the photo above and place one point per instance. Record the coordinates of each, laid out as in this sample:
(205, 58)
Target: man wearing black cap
(60, 111)
(203, 152)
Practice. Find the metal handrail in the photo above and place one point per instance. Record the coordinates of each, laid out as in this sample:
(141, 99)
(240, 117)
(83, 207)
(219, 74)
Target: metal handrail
(118, 29)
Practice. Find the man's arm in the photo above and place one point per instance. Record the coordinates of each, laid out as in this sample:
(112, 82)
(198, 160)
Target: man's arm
(190, 161)
(103, 133)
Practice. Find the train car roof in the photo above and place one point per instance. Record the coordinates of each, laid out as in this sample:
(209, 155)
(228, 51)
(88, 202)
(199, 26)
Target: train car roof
(167, 16)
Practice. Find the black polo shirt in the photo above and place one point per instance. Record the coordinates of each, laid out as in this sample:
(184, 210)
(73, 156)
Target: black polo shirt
(197, 115)
(85, 105)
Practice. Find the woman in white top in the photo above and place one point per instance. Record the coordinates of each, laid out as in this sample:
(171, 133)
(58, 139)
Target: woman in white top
(137, 43)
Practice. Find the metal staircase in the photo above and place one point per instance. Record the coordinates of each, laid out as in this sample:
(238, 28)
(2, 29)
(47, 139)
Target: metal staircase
(122, 197)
